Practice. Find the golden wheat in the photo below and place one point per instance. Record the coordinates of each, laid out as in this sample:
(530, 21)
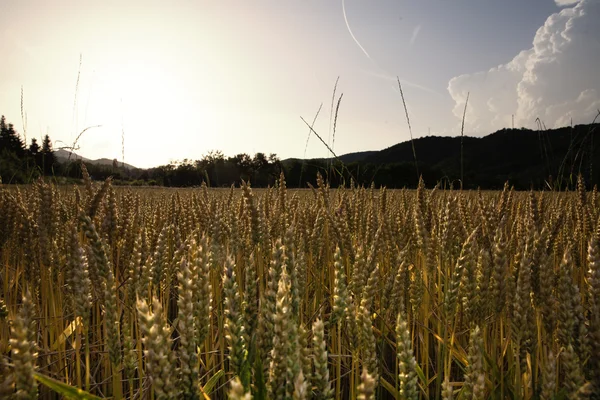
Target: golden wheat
(356, 293)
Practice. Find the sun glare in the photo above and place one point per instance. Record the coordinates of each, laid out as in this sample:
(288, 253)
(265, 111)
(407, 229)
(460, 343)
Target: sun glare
(146, 100)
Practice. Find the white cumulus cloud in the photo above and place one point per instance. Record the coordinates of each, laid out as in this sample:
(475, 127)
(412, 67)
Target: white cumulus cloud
(564, 3)
(556, 79)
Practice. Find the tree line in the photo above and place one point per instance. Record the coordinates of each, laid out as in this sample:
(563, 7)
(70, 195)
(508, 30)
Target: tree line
(217, 170)
(527, 159)
(20, 163)
(23, 164)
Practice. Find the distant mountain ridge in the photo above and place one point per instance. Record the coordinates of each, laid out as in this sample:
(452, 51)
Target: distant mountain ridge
(65, 155)
(494, 149)
(525, 158)
(521, 156)
(357, 156)
(346, 158)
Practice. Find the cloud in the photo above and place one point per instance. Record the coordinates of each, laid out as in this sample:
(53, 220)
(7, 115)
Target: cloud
(415, 33)
(566, 3)
(555, 80)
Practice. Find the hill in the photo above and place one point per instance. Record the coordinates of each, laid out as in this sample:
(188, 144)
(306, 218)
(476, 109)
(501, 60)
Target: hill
(523, 157)
(64, 156)
(520, 155)
(346, 158)
(358, 156)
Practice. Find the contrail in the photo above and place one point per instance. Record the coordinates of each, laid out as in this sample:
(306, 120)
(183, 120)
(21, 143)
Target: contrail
(350, 30)
(384, 74)
(415, 34)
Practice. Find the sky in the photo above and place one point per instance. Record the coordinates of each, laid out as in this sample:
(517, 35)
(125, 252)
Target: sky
(157, 81)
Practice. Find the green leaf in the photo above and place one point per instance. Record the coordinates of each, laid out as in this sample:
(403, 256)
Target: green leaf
(390, 388)
(260, 392)
(70, 392)
(212, 382)
(421, 375)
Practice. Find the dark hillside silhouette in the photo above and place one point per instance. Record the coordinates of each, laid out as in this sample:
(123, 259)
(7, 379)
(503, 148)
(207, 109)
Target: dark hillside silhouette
(357, 157)
(526, 158)
(522, 156)
(548, 159)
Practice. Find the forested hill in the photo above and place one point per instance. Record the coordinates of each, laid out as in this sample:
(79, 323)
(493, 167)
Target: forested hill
(521, 156)
(547, 159)
(525, 158)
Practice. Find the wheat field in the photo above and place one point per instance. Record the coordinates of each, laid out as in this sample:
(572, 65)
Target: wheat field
(352, 293)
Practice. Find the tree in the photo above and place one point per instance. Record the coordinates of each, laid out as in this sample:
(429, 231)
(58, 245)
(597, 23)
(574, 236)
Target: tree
(35, 155)
(34, 148)
(48, 158)
(4, 140)
(260, 161)
(9, 139)
(12, 154)
(11, 170)
(213, 163)
(243, 165)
